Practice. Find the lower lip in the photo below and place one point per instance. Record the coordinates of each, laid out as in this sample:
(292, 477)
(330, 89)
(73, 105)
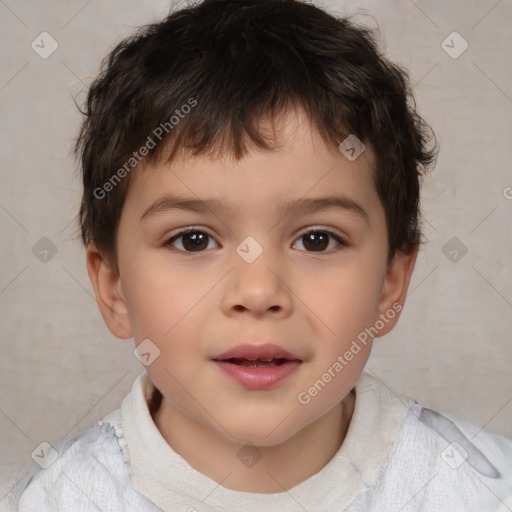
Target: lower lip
(260, 377)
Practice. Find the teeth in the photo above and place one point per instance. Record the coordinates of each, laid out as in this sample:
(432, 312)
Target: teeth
(259, 363)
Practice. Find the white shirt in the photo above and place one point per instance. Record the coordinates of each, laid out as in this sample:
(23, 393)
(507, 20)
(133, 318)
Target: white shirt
(396, 456)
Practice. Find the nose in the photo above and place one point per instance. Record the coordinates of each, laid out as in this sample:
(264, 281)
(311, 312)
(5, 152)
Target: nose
(259, 288)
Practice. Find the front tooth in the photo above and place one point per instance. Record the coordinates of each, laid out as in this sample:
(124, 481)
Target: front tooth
(267, 360)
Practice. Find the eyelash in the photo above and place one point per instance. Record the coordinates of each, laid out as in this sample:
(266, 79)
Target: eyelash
(341, 241)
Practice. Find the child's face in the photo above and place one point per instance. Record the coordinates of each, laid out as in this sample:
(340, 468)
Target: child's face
(310, 297)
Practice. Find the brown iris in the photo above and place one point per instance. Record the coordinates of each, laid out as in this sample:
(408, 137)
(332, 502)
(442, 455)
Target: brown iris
(195, 240)
(317, 240)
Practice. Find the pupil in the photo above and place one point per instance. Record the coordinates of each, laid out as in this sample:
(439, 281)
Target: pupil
(317, 240)
(197, 240)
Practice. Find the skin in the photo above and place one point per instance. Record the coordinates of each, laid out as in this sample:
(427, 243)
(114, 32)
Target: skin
(310, 302)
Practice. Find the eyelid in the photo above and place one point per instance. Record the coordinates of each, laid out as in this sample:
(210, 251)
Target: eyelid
(341, 237)
(323, 229)
(189, 229)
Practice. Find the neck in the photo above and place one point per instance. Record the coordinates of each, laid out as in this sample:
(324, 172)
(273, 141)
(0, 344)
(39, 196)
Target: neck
(277, 468)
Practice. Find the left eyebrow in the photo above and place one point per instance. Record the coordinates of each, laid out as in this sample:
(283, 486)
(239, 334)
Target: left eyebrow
(295, 206)
(315, 204)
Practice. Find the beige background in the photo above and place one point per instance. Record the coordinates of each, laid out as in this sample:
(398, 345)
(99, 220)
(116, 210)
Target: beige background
(61, 369)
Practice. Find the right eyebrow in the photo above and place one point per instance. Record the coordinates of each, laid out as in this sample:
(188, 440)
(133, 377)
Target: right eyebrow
(171, 202)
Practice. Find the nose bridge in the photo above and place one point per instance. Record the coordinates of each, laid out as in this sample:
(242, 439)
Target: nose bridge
(257, 280)
(253, 263)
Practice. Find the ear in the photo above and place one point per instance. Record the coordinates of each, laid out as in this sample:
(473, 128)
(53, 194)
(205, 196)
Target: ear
(394, 289)
(106, 283)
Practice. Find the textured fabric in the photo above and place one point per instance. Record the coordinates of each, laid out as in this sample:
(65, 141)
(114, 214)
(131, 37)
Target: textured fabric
(396, 456)
(434, 467)
(89, 475)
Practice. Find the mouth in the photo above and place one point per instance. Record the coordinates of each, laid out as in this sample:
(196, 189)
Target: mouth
(258, 367)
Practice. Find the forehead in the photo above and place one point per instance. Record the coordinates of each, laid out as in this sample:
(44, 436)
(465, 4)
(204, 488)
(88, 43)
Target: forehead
(300, 166)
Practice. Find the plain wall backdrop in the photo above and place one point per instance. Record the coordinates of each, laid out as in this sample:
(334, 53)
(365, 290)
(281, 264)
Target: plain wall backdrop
(61, 369)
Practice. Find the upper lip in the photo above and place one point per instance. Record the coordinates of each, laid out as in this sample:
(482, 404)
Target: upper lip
(254, 352)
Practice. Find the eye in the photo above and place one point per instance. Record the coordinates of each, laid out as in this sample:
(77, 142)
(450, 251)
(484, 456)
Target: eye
(195, 240)
(190, 240)
(318, 240)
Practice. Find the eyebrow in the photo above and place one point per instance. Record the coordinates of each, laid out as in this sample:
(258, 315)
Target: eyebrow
(296, 206)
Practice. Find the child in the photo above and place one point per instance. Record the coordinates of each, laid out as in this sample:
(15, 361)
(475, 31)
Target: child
(251, 218)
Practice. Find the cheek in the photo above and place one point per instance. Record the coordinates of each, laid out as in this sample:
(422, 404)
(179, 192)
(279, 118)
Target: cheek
(156, 300)
(346, 300)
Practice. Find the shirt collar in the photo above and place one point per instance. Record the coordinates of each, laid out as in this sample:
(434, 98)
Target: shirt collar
(164, 477)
